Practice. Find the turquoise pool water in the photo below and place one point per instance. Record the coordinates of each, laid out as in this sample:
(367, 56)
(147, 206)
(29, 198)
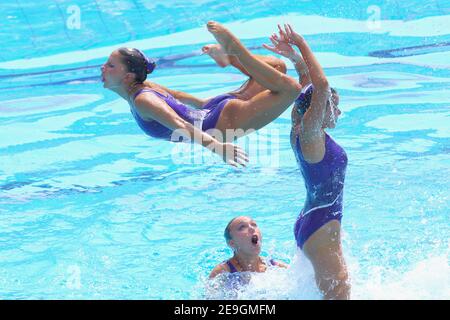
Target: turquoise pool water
(91, 208)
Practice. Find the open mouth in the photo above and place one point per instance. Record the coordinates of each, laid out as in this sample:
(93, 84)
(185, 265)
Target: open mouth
(255, 239)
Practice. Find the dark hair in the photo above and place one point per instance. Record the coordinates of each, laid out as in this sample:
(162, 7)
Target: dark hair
(137, 62)
(227, 233)
(303, 101)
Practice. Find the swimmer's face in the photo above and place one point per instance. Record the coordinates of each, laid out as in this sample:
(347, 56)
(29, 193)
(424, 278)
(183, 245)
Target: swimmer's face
(114, 72)
(332, 112)
(245, 236)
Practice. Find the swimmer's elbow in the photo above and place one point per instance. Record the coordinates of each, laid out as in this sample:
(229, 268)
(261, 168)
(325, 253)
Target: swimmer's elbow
(321, 84)
(310, 125)
(180, 124)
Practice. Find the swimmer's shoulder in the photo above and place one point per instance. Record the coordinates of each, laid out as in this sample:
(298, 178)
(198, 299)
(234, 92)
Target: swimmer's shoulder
(220, 268)
(159, 88)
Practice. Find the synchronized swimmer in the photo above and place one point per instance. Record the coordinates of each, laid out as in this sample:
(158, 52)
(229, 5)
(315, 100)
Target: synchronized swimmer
(244, 237)
(160, 111)
(322, 163)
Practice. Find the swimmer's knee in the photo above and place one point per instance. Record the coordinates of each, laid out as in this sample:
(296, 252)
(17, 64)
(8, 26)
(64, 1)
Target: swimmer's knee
(292, 86)
(275, 62)
(281, 66)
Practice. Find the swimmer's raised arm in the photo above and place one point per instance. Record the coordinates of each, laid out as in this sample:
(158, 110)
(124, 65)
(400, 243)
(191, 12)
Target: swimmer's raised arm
(150, 107)
(301, 68)
(316, 73)
(183, 97)
(314, 117)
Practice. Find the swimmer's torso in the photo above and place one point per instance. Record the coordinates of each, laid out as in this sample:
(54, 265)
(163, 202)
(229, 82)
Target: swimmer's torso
(154, 128)
(324, 181)
(204, 119)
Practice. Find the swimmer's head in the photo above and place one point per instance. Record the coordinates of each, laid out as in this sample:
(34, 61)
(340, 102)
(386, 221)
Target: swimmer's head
(126, 66)
(137, 63)
(303, 102)
(243, 235)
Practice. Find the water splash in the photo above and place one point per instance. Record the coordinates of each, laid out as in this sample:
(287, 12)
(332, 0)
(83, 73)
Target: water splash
(426, 280)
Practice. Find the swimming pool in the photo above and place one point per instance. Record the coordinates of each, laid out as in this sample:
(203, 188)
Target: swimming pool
(91, 208)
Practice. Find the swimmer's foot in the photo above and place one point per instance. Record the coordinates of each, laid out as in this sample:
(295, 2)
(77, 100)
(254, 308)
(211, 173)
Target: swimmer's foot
(216, 52)
(230, 44)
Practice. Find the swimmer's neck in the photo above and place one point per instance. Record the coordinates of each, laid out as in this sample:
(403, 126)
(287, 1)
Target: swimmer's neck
(121, 92)
(127, 92)
(248, 263)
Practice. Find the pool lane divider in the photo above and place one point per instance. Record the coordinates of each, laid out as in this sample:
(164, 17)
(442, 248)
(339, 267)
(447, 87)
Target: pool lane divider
(411, 51)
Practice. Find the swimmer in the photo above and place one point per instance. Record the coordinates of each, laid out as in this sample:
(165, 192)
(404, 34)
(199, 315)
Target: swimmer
(322, 163)
(242, 234)
(160, 111)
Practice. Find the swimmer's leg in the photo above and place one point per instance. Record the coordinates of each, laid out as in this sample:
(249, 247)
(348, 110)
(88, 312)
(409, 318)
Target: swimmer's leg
(324, 250)
(216, 52)
(250, 87)
(268, 77)
(264, 107)
(274, 62)
(243, 117)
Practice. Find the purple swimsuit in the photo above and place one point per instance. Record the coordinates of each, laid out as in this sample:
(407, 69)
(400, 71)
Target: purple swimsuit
(324, 183)
(205, 118)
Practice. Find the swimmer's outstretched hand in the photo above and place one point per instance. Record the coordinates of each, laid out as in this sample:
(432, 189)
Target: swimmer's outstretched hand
(281, 44)
(232, 154)
(292, 36)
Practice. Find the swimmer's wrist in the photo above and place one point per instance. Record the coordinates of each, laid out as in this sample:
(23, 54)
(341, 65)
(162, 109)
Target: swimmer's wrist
(295, 57)
(215, 146)
(299, 63)
(299, 41)
(219, 149)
